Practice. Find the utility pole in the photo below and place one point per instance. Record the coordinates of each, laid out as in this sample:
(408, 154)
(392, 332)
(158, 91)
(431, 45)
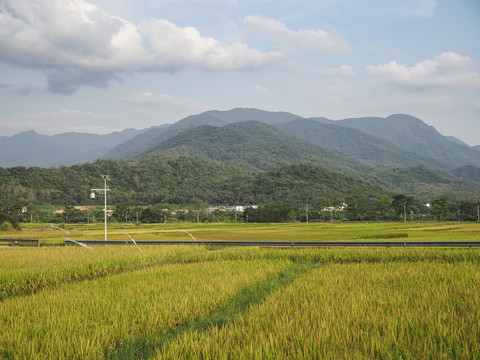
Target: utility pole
(102, 191)
(306, 212)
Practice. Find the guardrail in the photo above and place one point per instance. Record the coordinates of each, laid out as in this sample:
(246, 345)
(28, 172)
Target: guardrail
(469, 244)
(20, 241)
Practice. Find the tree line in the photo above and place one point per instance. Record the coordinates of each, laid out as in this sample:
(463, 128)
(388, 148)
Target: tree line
(181, 189)
(355, 207)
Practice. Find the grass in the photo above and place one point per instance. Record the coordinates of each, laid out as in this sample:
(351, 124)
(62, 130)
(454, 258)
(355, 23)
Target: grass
(191, 302)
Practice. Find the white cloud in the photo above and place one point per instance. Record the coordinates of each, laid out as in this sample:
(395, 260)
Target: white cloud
(342, 71)
(163, 101)
(306, 39)
(261, 90)
(446, 70)
(57, 34)
(79, 44)
(174, 47)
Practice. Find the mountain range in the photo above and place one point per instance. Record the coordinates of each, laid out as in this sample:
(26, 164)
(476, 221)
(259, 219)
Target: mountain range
(398, 153)
(398, 140)
(32, 149)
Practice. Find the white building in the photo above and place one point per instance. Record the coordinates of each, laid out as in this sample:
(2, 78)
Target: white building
(238, 208)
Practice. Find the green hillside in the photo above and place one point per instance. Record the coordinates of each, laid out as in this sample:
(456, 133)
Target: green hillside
(467, 172)
(178, 181)
(254, 146)
(420, 179)
(151, 138)
(355, 143)
(398, 140)
(193, 181)
(303, 183)
(414, 135)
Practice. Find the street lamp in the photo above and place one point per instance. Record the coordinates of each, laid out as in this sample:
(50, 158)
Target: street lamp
(102, 191)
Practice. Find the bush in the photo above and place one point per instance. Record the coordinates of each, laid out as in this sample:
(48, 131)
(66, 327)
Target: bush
(6, 226)
(4, 217)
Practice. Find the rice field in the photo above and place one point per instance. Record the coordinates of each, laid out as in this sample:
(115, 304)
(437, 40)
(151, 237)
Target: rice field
(255, 232)
(171, 302)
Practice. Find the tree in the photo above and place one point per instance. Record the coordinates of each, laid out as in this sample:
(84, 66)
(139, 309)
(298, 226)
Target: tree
(4, 217)
(71, 214)
(356, 206)
(154, 214)
(382, 207)
(125, 210)
(321, 208)
(402, 205)
(18, 209)
(440, 207)
(280, 211)
(467, 211)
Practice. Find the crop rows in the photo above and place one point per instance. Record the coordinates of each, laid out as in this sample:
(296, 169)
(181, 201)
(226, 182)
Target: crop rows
(363, 310)
(192, 302)
(26, 270)
(86, 320)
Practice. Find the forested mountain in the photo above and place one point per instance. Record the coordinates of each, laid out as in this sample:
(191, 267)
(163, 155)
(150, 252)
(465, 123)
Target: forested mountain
(192, 181)
(152, 138)
(414, 135)
(355, 143)
(254, 146)
(468, 172)
(458, 141)
(245, 156)
(375, 140)
(307, 182)
(420, 179)
(179, 181)
(368, 139)
(32, 149)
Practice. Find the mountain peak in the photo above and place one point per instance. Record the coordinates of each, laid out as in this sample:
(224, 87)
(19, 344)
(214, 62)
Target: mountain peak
(27, 133)
(412, 134)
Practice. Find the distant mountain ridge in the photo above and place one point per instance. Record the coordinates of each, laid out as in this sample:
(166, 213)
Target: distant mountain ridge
(151, 138)
(396, 141)
(254, 146)
(258, 147)
(355, 143)
(412, 134)
(32, 149)
(283, 156)
(468, 172)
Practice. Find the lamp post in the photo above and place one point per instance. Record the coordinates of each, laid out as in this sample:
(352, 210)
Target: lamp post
(102, 191)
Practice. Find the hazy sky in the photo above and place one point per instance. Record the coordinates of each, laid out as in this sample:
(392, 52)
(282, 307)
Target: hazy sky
(105, 65)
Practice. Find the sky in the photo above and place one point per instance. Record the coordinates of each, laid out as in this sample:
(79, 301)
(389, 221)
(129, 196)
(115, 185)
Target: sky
(99, 66)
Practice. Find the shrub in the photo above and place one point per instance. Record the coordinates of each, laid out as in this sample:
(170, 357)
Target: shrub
(4, 217)
(6, 226)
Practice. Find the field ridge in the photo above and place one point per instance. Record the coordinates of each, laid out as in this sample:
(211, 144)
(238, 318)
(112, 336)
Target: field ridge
(144, 347)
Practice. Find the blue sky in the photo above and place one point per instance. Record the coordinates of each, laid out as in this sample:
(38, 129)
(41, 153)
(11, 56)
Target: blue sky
(105, 65)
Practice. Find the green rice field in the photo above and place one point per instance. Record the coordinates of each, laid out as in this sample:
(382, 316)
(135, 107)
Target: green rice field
(199, 302)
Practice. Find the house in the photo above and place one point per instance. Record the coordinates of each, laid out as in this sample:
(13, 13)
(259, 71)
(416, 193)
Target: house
(238, 208)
